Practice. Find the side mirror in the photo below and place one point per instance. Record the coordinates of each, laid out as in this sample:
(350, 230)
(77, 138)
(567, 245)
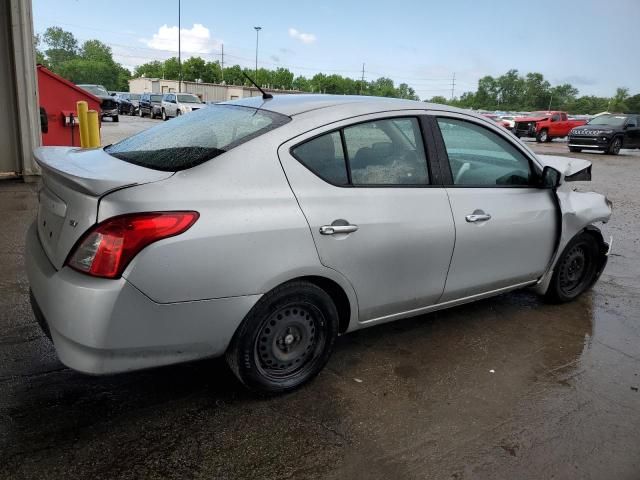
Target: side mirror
(550, 177)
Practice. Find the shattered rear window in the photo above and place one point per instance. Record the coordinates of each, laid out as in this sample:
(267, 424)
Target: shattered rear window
(189, 140)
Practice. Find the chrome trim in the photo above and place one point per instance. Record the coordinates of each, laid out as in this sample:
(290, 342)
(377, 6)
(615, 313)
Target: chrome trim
(585, 146)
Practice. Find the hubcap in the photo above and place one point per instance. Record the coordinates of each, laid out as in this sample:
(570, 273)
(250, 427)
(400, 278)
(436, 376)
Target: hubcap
(616, 145)
(289, 339)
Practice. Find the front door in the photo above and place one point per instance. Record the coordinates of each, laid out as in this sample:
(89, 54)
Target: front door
(505, 226)
(375, 217)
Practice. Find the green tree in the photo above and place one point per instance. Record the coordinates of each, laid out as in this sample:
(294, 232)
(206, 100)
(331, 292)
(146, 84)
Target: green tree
(62, 46)
(193, 69)
(153, 69)
(618, 102)
(438, 99)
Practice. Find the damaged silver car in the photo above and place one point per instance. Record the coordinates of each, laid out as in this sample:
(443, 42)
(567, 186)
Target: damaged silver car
(260, 229)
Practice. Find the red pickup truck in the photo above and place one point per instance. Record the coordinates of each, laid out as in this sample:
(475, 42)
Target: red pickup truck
(545, 126)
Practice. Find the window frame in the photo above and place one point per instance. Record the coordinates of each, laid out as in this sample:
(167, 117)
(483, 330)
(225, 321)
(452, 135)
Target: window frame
(428, 148)
(443, 156)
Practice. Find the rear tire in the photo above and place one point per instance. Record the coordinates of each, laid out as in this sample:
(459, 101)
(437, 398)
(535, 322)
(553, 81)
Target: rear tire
(286, 338)
(615, 146)
(576, 270)
(542, 136)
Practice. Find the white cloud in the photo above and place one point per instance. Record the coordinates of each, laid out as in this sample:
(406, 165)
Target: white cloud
(196, 39)
(303, 37)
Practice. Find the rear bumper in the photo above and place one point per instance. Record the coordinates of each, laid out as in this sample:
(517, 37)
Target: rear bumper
(101, 326)
(109, 113)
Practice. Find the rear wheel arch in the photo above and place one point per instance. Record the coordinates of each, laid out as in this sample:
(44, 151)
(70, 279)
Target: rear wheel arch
(337, 294)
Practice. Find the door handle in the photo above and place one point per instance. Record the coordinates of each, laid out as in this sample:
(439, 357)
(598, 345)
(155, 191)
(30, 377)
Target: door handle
(334, 229)
(478, 216)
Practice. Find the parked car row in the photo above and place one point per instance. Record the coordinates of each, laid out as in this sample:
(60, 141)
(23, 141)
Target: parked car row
(169, 105)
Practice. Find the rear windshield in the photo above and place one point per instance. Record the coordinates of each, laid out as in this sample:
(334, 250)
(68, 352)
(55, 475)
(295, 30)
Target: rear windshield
(189, 140)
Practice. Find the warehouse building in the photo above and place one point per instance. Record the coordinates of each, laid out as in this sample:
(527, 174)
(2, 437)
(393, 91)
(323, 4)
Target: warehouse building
(208, 92)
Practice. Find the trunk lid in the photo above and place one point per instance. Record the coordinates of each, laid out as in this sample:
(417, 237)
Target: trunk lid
(73, 181)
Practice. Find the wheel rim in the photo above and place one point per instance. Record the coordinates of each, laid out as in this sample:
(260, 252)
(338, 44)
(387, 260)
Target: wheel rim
(574, 270)
(164, 115)
(543, 136)
(617, 144)
(290, 340)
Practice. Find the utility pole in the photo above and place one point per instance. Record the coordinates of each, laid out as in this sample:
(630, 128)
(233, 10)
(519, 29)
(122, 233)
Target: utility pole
(257, 32)
(179, 56)
(453, 84)
(222, 63)
(550, 102)
(362, 81)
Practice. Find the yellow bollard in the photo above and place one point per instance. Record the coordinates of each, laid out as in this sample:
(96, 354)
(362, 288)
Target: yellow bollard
(84, 126)
(94, 129)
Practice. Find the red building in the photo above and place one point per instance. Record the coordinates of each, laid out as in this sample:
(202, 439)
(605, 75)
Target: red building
(58, 98)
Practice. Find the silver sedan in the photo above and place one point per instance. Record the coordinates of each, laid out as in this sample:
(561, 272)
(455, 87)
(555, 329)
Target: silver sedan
(261, 229)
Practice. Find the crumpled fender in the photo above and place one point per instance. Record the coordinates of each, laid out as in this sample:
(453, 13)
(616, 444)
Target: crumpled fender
(578, 210)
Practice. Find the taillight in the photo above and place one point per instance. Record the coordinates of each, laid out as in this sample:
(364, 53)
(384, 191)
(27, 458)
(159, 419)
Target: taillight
(106, 249)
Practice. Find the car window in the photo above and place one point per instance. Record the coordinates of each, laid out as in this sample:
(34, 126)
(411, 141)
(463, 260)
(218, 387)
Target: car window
(555, 117)
(193, 139)
(324, 156)
(386, 152)
(480, 157)
(156, 98)
(633, 122)
(563, 116)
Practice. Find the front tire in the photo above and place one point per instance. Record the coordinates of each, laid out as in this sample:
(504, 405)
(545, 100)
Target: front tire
(577, 269)
(542, 136)
(115, 118)
(140, 113)
(164, 115)
(285, 340)
(615, 146)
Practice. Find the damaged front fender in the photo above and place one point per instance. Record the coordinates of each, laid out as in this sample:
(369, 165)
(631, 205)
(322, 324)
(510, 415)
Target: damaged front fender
(578, 210)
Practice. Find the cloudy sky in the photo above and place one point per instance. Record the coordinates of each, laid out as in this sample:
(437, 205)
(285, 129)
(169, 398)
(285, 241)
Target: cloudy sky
(592, 44)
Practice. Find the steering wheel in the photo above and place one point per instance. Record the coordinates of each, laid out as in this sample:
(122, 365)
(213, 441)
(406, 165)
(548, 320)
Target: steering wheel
(463, 169)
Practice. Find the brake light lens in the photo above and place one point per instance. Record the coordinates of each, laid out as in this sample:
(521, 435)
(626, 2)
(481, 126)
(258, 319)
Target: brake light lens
(106, 249)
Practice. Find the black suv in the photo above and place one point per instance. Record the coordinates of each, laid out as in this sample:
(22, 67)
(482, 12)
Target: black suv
(108, 104)
(150, 104)
(608, 133)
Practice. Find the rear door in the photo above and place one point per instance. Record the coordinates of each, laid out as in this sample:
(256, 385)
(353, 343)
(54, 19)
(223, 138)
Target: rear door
(375, 210)
(505, 227)
(632, 132)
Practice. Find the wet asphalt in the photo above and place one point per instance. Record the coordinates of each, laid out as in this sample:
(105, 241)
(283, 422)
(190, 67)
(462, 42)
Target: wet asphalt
(507, 388)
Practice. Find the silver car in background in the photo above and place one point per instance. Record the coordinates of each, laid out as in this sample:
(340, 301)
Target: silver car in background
(176, 104)
(260, 229)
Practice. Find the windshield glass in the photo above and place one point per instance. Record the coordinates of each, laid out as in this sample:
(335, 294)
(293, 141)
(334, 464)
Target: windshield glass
(156, 98)
(188, 99)
(95, 89)
(134, 96)
(190, 140)
(539, 114)
(612, 120)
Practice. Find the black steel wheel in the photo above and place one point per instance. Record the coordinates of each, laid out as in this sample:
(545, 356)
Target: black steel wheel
(615, 146)
(286, 339)
(577, 268)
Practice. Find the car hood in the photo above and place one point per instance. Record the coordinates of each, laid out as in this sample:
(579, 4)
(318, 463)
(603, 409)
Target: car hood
(566, 165)
(530, 119)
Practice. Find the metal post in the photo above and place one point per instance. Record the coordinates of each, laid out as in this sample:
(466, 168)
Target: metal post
(179, 56)
(362, 81)
(257, 32)
(222, 66)
(550, 102)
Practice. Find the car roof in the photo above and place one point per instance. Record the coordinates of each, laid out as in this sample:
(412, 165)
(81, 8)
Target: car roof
(295, 104)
